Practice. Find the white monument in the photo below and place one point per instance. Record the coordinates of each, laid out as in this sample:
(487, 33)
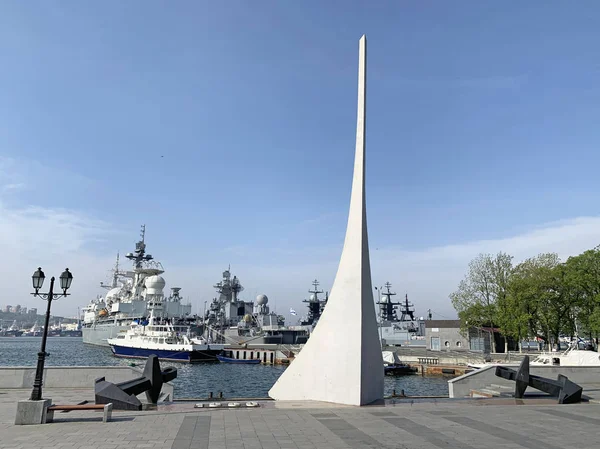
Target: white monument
(342, 361)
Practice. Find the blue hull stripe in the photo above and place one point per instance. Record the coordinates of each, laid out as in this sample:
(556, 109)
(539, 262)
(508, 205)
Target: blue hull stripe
(179, 356)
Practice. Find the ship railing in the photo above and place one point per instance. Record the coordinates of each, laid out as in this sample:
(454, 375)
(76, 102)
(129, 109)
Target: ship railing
(225, 337)
(288, 350)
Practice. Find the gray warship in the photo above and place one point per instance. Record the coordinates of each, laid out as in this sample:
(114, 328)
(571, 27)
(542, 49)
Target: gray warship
(315, 305)
(405, 330)
(234, 321)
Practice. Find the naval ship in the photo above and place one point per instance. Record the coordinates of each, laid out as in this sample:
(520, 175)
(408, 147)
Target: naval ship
(128, 298)
(405, 330)
(315, 306)
(234, 321)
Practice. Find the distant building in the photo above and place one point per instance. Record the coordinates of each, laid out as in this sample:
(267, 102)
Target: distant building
(17, 308)
(444, 335)
(32, 311)
(7, 309)
(23, 310)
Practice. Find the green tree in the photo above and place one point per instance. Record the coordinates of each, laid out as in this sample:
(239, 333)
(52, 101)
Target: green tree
(584, 278)
(516, 309)
(486, 283)
(558, 301)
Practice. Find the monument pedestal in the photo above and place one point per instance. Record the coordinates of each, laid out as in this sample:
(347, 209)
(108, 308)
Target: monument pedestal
(32, 412)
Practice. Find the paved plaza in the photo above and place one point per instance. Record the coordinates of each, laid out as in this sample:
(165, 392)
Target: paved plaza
(451, 424)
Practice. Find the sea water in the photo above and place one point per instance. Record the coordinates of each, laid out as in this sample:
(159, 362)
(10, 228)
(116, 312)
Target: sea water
(193, 381)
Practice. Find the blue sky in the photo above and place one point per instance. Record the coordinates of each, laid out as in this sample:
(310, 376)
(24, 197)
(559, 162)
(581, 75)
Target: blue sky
(228, 129)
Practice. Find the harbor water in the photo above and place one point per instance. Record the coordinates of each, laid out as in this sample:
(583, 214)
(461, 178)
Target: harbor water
(193, 381)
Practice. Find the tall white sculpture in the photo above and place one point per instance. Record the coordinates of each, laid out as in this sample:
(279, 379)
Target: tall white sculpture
(342, 361)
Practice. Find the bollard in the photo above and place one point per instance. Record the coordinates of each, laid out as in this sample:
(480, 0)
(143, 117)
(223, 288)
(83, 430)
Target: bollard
(393, 393)
(210, 396)
(220, 395)
(402, 393)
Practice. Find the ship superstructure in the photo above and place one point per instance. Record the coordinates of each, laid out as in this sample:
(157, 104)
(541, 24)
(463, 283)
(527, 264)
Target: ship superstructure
(232, 320)
(128, 297)
(35, 331)
(405, 330)
(315, 305)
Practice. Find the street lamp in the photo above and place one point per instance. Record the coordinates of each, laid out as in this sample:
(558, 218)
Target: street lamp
(38, 280)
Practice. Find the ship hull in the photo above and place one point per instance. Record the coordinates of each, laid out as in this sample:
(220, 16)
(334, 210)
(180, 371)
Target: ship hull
(97, 335)
(173, 356)
(11, 334)
(77, 333)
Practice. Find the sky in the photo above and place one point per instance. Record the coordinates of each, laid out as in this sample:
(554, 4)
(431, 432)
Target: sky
(228, 128)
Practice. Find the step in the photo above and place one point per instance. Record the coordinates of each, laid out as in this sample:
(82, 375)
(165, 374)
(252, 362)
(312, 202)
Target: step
(489, 391)
(485, 392)
(480, 394)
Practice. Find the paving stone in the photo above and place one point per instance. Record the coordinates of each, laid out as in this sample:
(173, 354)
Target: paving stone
(426, 425)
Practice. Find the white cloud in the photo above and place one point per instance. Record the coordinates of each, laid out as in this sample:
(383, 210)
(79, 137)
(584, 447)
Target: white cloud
(53, 239)
(57, 238)
(430, 275)
(13, 186)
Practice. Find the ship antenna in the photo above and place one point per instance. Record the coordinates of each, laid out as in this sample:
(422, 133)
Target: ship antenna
(143, 233)
(116, 273)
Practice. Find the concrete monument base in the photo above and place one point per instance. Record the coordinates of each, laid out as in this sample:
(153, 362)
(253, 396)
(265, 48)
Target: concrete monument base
(32, 412)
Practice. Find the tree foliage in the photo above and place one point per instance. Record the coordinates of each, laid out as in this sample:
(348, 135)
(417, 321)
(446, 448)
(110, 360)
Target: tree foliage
(480, 292)
(540, 297)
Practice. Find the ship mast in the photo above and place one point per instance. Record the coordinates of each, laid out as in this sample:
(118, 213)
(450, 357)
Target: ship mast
(139, 256)
(316, 305)
(407, 311)
(115, 277)
(316, 290)
(386, 306)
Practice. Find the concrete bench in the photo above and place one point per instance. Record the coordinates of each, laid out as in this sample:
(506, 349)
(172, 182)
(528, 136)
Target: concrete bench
(107, 408)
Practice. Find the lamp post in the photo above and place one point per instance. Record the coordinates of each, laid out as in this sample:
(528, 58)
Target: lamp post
(38, 280)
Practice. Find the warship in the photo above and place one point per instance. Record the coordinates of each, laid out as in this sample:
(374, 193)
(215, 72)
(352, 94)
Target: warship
(233, 321)
(128, 298)
(315, 305)
(405, 330)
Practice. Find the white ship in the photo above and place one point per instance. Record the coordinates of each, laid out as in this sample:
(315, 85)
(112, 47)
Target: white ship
(35, 331)
(573, 356)
(161, 338)
(128, 297)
